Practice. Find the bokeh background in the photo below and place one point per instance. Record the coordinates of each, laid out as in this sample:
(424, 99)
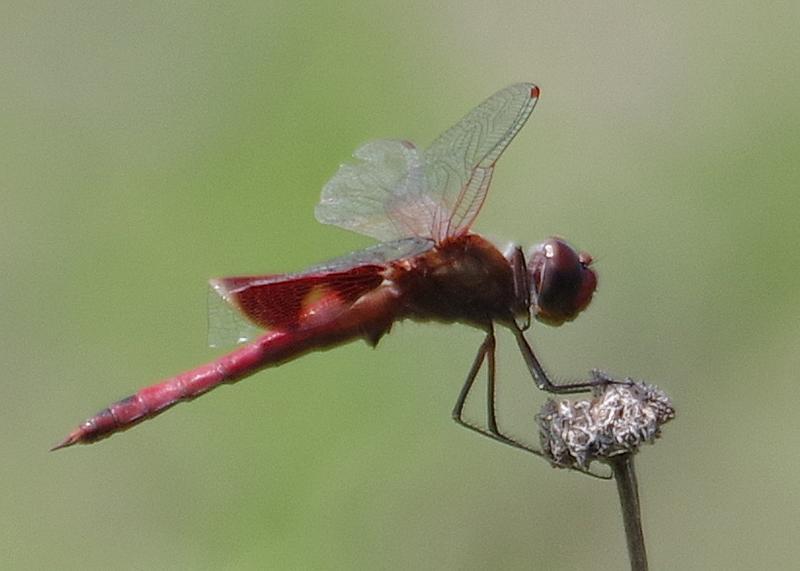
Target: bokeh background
(145, 148)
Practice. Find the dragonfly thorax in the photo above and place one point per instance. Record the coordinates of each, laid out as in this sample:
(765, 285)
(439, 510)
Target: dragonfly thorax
(464, 279)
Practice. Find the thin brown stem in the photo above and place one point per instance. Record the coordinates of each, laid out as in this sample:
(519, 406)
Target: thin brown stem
(625, 475)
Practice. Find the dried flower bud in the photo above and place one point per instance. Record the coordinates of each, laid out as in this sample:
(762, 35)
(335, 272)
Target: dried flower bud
(620, 417)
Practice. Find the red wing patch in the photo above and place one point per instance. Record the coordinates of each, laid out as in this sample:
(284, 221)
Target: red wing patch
(287, 302)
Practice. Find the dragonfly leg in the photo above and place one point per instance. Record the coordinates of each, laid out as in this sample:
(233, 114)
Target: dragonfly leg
(458, 409)
(491, 388)
(522, 288)
(541, 378)
(486, 352)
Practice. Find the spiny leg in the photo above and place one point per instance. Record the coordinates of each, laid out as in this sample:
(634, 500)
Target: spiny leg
(541, 378)
(458, 409)
(486, 350)
(521, 308)
(491, 390)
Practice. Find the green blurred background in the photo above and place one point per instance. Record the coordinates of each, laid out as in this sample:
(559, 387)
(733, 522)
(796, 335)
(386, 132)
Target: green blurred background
(146, 148)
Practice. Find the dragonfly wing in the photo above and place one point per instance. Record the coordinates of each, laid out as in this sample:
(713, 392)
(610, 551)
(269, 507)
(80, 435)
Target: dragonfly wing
(381, 254)
(379, 195)
(240, 308)
(289, 302)
(460, 162)
(226, 324)
(395, 190)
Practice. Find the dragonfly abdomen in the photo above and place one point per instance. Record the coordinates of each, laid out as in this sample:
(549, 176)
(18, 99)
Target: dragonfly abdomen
(369, 318)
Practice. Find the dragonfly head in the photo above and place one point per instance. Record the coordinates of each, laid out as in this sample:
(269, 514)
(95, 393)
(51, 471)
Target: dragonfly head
(562, 281)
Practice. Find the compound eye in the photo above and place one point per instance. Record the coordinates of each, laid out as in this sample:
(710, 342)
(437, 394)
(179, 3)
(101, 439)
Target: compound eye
(563, 281)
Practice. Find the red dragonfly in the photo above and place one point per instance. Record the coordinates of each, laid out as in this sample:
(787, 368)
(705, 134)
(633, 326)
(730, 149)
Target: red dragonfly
(429, 267)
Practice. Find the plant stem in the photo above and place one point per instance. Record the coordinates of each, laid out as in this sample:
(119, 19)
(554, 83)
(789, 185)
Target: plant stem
(628, 489)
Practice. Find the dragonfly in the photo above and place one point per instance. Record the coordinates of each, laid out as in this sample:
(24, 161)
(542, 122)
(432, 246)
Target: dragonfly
(420, 204)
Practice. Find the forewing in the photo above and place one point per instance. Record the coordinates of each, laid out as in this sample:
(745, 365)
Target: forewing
(241, 307)
(459, 164)
(395, 190)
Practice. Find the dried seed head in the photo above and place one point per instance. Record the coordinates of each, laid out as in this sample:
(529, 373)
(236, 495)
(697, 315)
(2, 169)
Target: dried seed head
(620, 417)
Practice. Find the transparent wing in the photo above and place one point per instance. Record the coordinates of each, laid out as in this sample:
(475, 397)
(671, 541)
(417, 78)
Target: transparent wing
(379, 254)
(226, 324)
(396, 190)
(380, 196)
(241, 308)
(459, 164)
